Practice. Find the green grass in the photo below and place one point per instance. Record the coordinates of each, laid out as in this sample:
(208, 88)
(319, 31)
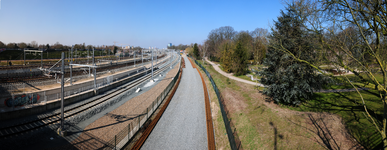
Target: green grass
(342, 82)
(244, 77)
(348, 105)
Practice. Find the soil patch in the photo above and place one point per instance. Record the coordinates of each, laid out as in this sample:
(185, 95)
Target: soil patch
(234, 101)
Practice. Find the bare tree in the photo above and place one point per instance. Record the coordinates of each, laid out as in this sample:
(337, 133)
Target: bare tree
(2, 45)
(34, 44)
(22, 45)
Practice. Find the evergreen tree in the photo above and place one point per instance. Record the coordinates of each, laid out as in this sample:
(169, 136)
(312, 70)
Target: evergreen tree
(226, 56)
(289, 81)
(196, 51)
(240, 59)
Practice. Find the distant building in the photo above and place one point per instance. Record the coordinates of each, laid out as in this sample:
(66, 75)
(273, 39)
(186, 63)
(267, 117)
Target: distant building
(170, 45)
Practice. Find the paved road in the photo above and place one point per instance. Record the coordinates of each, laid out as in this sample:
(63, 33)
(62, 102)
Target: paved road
(183, 124)
(229, 75)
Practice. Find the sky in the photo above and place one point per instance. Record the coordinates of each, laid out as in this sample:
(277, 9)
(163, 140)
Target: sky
(144, 23)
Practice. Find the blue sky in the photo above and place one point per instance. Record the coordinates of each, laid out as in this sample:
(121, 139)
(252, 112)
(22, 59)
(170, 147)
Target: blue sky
(129, 22)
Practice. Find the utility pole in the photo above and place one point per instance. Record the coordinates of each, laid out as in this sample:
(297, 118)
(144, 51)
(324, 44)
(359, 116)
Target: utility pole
(134, 56)
(156, 55)
(24, 51)
(62, 129)
(88, 56)
(71, 67)
(41, 59)
(94, 72)
(152, 67)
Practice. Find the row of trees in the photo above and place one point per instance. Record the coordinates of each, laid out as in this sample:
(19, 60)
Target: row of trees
(179, 47)
(235, 49)
(58, 46)
(350, 35)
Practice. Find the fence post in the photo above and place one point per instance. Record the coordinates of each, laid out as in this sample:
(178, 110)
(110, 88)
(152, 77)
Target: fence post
(128, 131)
(115, 142)
(138, 123)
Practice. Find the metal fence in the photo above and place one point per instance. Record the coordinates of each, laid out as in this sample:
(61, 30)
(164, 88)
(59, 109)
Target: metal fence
(126, 134)
(232, 133)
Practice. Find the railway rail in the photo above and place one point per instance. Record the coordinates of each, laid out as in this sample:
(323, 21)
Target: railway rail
(38, 77)
(14, 130)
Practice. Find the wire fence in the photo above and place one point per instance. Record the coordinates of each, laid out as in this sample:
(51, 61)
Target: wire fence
(232, 133)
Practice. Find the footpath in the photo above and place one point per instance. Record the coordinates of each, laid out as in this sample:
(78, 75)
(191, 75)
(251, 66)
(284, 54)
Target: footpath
(230, 75)
(183, 124)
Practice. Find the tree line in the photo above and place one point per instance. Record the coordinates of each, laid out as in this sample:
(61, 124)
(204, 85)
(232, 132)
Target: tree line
(235, 49)
(58, 46)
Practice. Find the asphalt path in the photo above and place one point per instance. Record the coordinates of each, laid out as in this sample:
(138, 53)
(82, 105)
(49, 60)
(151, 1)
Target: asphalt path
(183, 124)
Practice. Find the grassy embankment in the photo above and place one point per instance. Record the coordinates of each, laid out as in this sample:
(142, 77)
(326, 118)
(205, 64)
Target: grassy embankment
(347, 105)
(260, 126)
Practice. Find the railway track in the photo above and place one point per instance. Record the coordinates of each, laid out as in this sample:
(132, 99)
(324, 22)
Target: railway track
(32, 77)
(15, 130)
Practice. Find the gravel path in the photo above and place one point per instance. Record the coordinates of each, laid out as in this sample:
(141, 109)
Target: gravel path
(230, 75)
(183, 124)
